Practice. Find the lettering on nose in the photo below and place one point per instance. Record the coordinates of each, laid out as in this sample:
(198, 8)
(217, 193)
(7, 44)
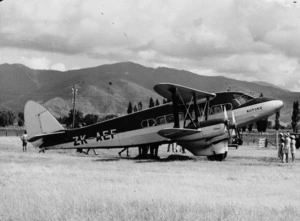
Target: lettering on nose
(254, 109)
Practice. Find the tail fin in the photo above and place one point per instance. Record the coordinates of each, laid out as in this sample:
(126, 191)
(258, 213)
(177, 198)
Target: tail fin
(39, 121)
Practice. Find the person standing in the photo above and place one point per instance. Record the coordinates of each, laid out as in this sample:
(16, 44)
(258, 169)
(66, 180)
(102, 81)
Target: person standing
(88, 150)
(286, 149)
(172, 147)
(280, 146)
(24, 141)
(293, 147)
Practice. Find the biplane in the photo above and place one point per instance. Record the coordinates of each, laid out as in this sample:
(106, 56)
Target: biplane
(203, 123)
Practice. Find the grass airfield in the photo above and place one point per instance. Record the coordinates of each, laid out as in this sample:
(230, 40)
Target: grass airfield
(251, 184)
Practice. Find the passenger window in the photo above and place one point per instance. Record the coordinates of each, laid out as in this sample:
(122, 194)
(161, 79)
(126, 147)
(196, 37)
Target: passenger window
(151, 122)
(169, 118)
(161, 120)
(228, 106)
(217, 109)
(144, 123)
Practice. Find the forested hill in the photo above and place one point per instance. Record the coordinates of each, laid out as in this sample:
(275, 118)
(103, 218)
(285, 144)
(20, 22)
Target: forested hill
(109, 88)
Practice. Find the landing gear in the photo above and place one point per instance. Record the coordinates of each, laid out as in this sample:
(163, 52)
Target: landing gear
(240, 141)
(211, 158)
(217, 157)
(79, 150)
(143, 152)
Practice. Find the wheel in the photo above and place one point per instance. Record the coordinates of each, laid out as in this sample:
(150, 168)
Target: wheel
(225, 155)
(217, 157)
(240, 142)
(220, 157)
(211, 158)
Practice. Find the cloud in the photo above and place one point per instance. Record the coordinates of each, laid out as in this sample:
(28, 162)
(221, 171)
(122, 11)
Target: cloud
(42, 63)
(58, 67)
(251, 40)
(36, 63)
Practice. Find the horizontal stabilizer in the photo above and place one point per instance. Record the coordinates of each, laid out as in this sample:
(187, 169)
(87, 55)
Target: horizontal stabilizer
(186, 93)
(176, 133)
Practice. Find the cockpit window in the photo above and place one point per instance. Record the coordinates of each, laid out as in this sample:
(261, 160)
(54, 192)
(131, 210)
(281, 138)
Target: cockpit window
(242, 99)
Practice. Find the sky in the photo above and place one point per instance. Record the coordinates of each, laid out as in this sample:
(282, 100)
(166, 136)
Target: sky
(252, 40)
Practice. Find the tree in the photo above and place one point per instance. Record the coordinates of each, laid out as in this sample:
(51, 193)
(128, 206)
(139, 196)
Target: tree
(90, 119)
(295, 116)
(244, 128)
(108, 117)
(7, 118)
(261, 95)
(157, 102)
(250, 127)
(78, 119)
(20, 119)
(140, 106)
(262, 125)
(135, 108)
(151, 102)
(129, 109)
(3, 119)
(277, 123)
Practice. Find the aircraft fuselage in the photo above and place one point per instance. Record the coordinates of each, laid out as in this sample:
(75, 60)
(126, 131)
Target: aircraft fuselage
(140, 128)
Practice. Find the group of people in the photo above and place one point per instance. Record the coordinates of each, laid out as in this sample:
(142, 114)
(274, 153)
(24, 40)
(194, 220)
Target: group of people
(287, 145)
(175, 148)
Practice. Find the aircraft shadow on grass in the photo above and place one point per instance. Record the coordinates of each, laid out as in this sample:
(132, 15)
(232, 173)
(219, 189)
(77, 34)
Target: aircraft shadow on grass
(150, 159)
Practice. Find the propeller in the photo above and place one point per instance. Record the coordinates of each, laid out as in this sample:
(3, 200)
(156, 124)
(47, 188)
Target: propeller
(235, 128)
(226, 121)
(233, 118)
(234, 122)
(225, 114)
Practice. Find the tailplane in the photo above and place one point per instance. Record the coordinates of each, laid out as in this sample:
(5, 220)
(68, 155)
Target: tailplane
(39, 121)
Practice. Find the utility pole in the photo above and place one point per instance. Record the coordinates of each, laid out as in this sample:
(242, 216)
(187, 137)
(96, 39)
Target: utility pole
(74, 92)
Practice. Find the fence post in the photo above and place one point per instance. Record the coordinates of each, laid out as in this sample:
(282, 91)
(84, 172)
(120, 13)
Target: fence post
(276, 134)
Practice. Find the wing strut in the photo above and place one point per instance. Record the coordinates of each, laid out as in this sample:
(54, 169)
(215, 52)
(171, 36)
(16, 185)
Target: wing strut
(207, 108)
(195, 107)
(175, 107)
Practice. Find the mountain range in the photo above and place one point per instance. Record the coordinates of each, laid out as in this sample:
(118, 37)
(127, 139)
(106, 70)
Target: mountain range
(109, 88)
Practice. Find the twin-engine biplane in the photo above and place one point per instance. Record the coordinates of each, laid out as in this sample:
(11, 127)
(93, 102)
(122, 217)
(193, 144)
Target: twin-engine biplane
(197, 120)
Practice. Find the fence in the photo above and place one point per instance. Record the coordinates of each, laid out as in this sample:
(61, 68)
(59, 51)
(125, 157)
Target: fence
(14, 131)
(259, 139)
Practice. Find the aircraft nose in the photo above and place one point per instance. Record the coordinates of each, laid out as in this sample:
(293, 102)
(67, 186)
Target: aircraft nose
(278, 104)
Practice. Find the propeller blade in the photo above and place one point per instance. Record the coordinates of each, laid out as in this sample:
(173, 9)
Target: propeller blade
(233, 118)
(225, 114)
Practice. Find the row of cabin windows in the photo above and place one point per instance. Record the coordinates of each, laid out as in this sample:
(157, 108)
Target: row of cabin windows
(161, 120)
(170, 118)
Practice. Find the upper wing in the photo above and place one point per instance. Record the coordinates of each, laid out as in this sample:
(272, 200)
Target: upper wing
(186, 93)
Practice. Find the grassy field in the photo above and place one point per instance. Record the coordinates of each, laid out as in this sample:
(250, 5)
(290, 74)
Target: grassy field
(62, 185)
